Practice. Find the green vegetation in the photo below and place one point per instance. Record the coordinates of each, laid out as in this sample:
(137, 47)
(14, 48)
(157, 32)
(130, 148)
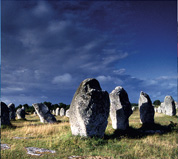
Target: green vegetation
(157, 102)
(115, 144)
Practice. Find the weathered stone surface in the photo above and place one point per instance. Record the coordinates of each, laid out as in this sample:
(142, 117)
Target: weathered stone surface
(38, 151)
(159, 110)
(146, 109)
(89, 109)
(169, 105)
(53, 112)
(4, 114)
(57, 111)
(11, 107)
(176, 104)
(62, 112)
(20, 113)
(67, 113)
(44, 113)
(120, 108)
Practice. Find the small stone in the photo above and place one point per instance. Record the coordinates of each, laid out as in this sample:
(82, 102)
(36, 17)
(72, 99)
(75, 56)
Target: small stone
(146, 109)
(38, 151)
(44, 113)
(4, 147)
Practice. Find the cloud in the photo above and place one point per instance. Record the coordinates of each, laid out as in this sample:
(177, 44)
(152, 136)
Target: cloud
(62, 79)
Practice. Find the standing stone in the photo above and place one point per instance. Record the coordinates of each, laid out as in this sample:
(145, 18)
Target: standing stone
(169, 104)
(159, 110)
(89, 109)
(44, 113)
(162, 108)
(176, 104)
(62, 112)
(11, 107)
(4, 114)
(57, 111)
(67, 113)
(146, 109)
(120, 108)
(53, 112)
(20, 113)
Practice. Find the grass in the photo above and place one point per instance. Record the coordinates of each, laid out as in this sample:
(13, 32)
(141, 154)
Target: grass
(115, 144)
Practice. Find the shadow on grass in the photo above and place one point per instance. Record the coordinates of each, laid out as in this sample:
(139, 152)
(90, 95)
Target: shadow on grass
(143, 131)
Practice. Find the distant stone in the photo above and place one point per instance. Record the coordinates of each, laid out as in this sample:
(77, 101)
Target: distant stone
(67, 113)
(38, 151)
(12, 114)
(169, 104)
(35, 113)
(57, 111)
(156, 109)
(120, 108)
(133, 108)
(44, 113)
(4, 114)
(62, 112)
(146, 109)
(20, 113)
(176, 104)
(89, 109)
(159, 110)
(162, 107)
(53, 112)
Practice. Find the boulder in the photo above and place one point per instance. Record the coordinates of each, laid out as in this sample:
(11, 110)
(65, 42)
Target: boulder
(169, 105)
(57, 111)
(20, 113)
(159, 110)
(67, 113)
(44, 113)
(62, 112)
(146, 109)
(12, 114)
(120, 108)
(89, 109)
(4, 114)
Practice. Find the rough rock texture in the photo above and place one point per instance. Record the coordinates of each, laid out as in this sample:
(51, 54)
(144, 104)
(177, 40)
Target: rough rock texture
(20, 113)
(44, 113)
(11, 107)
(176, 104)
(146, 109)
(4, 147)
(62, 112)
(57, 111)
(120, 108)
(67, 113)
(89, 109)
(169, 106)
(4, 114)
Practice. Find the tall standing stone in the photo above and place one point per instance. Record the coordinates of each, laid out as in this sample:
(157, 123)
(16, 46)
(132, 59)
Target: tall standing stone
(57, 111)
(11, 107)
(169, 105)
(67, 113)
(4, 114)
(62, 112)
(20, 113)
(44, 113)
(146, 109)
(89, 109)
(120, 108)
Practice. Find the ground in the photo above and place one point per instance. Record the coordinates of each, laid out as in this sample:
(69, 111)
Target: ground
(136, 142)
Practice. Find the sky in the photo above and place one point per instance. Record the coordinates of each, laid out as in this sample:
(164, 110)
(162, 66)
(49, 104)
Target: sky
(49, 47)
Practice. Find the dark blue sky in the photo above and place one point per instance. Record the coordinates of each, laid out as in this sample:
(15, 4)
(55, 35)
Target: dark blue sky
(49, 47)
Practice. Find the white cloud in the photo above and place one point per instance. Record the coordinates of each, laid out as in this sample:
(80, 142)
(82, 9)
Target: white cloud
(119, 72)
(104, 78)
(65, 78)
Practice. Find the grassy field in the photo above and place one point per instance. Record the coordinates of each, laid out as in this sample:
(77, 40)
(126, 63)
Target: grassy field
(132, 143)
